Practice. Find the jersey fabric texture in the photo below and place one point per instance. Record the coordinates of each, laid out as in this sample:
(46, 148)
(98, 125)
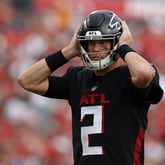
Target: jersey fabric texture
(109, 114)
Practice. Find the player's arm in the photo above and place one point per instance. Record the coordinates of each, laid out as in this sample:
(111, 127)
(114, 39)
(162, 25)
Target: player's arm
(35, 78)
(140, 69)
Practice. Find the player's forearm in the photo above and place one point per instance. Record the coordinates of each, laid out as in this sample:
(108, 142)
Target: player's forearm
(68, 53)
(141, 70)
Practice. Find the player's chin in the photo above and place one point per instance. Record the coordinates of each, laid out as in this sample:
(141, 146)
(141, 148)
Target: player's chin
(95, 58)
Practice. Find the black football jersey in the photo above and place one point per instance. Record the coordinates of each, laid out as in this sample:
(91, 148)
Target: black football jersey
(109, 114)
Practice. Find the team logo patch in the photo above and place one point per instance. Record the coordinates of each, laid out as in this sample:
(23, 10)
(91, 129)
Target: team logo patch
(94, 87)
(114, 23)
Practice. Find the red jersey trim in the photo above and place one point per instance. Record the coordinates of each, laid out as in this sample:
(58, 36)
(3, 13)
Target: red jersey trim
(138, 147)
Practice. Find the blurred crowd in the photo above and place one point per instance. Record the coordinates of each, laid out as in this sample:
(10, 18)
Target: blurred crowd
(36, 130)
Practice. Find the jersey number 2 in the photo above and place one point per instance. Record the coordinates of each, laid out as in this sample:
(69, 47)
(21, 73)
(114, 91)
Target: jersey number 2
(96, 128)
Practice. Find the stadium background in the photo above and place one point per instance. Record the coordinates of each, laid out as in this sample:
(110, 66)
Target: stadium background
(36, 130)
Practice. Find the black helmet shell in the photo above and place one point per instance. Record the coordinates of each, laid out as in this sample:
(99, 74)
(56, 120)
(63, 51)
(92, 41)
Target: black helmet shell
(104, 21)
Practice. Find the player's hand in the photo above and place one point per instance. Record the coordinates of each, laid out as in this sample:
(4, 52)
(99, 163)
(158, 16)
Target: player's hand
(72, 50)
(74, 43)
(126, 37)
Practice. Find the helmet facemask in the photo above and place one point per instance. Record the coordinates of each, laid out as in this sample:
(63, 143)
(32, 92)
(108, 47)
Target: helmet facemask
(100, 64)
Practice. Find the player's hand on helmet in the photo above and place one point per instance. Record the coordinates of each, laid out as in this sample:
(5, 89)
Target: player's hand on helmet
(72, 50)
(74, 43)
(126, 37)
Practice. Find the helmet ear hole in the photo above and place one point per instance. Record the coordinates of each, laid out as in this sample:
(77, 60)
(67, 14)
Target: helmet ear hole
(84, 44)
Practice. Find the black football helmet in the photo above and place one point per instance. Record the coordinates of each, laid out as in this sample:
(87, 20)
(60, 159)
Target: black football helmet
(99, 25)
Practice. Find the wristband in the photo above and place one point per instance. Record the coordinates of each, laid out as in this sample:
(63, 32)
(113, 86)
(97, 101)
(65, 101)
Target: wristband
(124, 49)
(55, 60)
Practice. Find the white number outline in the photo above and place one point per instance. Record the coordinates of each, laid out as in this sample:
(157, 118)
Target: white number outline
(96, 128)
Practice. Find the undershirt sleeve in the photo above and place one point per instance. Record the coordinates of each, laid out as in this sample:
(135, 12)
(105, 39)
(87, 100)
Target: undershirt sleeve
(155, 92)
(58, 87)
(152, 94)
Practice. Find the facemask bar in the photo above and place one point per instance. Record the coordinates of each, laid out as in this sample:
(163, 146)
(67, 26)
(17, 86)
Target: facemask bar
(98, 64)
(102, 63)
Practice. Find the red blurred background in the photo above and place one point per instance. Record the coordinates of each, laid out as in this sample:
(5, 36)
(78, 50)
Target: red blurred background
(36, 130)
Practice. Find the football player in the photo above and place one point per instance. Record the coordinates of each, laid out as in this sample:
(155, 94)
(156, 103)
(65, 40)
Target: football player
(109, 101)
